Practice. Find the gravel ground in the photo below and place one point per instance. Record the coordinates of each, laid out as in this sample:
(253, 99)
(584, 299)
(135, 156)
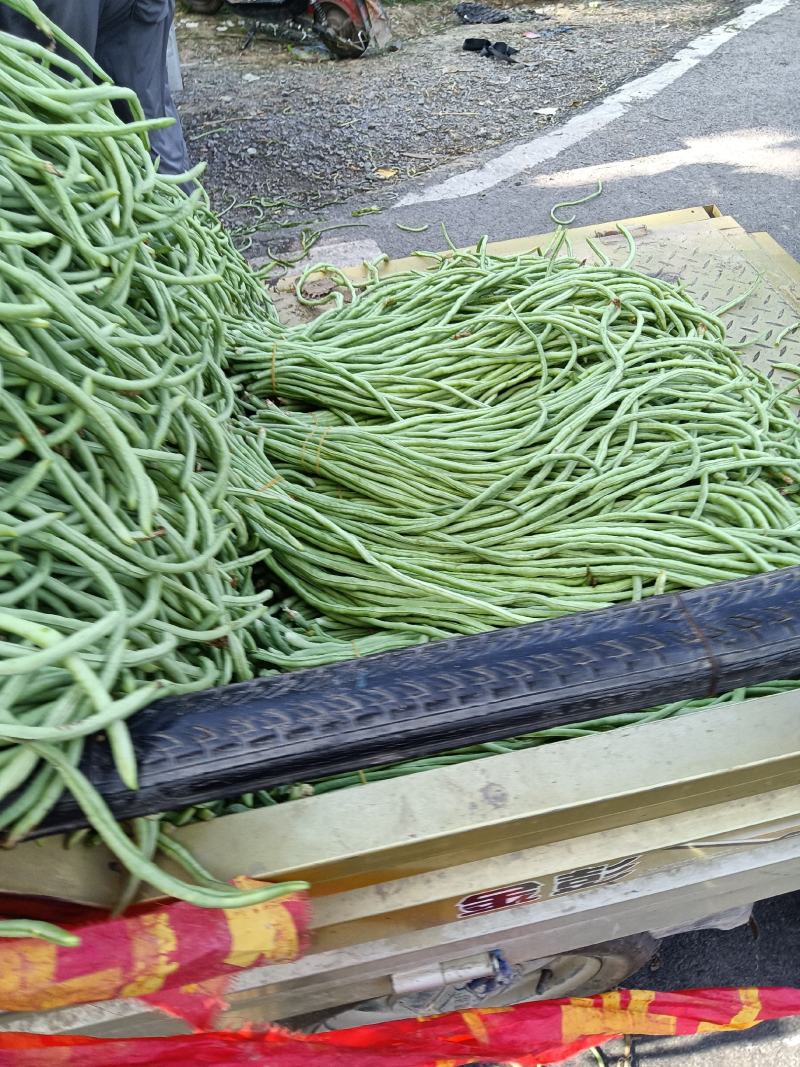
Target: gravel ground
(286, 123)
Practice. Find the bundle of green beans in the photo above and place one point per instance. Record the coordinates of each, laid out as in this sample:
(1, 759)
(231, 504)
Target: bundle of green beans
(123, 572)
(498, 441)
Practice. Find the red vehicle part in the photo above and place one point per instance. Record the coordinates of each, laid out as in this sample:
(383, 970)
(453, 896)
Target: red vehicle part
(343, 25)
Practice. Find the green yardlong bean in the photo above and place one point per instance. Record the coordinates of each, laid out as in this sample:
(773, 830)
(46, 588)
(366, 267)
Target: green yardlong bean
(539, 436)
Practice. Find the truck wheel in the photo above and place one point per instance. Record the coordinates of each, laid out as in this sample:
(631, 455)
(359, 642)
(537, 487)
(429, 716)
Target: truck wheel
(203, 7)
(582, 973)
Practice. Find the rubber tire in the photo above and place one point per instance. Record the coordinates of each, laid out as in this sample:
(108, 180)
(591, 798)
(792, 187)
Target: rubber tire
(619, 959)
(203, 7)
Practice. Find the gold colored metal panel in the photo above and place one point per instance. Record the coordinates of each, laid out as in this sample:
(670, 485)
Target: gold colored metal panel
(650, 844)
(383, 832)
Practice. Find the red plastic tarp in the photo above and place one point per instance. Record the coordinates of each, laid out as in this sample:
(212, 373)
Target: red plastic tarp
(527, 1034)
(155, 952)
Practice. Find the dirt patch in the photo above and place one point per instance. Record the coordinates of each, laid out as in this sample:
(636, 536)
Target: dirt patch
(299, 130)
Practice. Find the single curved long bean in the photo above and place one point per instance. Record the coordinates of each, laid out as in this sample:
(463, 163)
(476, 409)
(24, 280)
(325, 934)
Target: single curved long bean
(573, 203)
(39, 930)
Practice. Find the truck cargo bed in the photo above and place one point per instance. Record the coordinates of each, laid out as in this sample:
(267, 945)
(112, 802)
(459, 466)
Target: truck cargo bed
(538, 851)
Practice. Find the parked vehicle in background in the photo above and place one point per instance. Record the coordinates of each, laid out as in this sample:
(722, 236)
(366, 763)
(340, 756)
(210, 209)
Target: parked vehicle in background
(344, 26)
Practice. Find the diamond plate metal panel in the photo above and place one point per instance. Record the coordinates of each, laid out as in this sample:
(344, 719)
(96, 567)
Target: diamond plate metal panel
(718, 265)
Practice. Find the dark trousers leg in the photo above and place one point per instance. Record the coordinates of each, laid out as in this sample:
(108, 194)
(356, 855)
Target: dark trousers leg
(133, 51)
(79, 18)
(128, 38)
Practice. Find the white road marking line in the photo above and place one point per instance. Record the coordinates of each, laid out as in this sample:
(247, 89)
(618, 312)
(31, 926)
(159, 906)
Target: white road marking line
(548, 145)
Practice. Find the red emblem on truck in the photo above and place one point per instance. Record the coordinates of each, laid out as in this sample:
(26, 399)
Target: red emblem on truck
(494, 899)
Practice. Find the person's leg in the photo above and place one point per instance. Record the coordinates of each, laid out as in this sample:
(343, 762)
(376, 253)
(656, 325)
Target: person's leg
(132, 49)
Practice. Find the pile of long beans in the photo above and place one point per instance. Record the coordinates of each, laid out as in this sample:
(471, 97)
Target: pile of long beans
(122, 573)
(192, 493)
(503, 440)
(498, 441)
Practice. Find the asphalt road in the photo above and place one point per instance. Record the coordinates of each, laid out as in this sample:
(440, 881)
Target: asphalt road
(725, 132)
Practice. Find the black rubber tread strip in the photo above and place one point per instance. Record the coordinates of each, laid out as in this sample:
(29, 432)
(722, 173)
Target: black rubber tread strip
(380, 709)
